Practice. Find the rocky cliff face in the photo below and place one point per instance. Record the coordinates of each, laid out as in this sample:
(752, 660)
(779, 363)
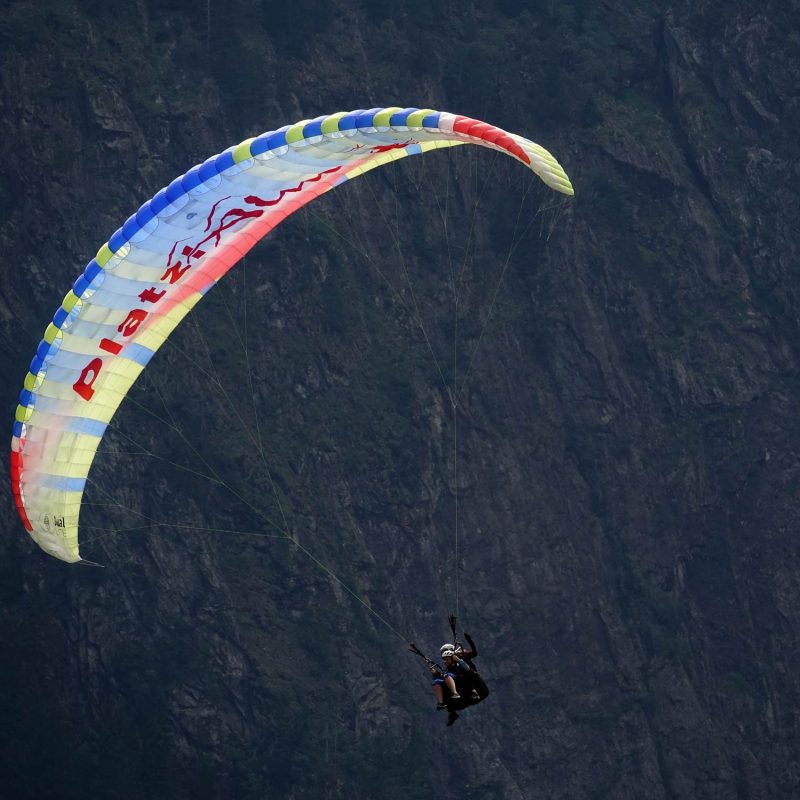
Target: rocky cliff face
(622, 467)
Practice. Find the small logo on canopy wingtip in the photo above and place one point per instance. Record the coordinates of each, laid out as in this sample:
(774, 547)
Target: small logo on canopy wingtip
(56, 522)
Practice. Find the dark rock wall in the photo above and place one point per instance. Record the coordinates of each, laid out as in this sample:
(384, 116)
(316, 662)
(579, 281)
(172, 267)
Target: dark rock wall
(624, 468)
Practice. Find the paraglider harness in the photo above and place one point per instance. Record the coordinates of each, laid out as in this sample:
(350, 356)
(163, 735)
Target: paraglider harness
(475, 680)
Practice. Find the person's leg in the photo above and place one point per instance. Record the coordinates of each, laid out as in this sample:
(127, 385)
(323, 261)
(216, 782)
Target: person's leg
(438, 690)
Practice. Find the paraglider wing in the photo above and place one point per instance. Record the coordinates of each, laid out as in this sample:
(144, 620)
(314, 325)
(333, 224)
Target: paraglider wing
(164, 259)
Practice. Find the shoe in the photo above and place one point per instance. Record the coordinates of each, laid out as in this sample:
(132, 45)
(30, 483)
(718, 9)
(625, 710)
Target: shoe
(441, 706)
(455, 696)
(452, 717)
(474, 695)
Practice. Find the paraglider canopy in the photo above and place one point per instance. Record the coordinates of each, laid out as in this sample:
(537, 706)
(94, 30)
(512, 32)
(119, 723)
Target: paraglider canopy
(164, 259)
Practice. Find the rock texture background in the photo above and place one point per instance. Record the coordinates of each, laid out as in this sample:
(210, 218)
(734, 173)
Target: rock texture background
(625, 471)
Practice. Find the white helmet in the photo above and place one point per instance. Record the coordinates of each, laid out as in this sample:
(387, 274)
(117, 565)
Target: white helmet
(448, 653)
(446, 646)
